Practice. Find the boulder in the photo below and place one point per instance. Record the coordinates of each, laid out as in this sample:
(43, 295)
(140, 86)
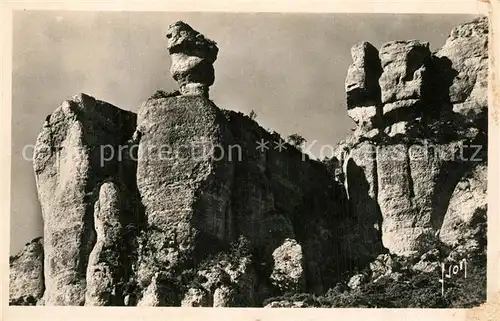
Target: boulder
(356, 281)
(288, 271)
(192, 57)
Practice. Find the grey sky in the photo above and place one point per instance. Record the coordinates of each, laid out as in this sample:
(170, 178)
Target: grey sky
(289, 68)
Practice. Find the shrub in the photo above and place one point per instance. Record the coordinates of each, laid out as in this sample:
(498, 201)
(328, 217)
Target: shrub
(296, 140)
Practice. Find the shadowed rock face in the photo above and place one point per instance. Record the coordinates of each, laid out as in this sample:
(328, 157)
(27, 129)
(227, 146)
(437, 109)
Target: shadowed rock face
(192, 56)
(466, 50)
(176, 205)
(362, 88)
(433, 107)
(104, 269)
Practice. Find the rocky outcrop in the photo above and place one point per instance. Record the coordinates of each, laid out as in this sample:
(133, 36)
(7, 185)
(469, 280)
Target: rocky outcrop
(465, 218)
(288, 271)
(185, 188)
(363, 91)
(192, 56)
(432, 134)
(73, 156)
(403, 83)
(104, 270)
(466, 52)
(187, 204)
(26, 284)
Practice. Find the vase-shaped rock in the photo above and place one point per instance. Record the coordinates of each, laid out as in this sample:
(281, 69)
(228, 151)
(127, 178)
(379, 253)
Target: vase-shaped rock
(192, 57)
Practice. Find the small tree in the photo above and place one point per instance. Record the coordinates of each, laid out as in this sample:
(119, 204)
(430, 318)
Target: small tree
(253, 115)
(296, 140)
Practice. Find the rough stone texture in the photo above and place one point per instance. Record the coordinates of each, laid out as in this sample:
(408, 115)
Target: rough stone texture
(26, 284)
(404, 70)
(222, 296)
(363, 91)
(403, 82)
(467, 208)
(104, 266)
(433, 108)
(152, 296)
(288, 271)
(228, 282)
(466, 51)
(185, 188)
(362, 76)
(405, 187)
(383, 266)
(271, 191)
(365, 117)
(356, 281)
(156, 232)
(362, 235)
(192, 56)
(69, 168)
(196, 298)
(429, 262)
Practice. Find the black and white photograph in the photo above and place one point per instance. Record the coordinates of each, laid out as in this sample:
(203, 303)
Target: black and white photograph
(250, 160)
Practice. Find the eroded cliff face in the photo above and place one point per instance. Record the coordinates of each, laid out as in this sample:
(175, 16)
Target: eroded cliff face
(69, 170)
(178, 205)
(431, 133)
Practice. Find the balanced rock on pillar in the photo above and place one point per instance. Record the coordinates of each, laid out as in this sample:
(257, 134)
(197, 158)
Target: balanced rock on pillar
(192, 56)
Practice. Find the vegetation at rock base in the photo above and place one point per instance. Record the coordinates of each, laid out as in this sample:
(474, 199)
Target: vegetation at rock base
(412, 290)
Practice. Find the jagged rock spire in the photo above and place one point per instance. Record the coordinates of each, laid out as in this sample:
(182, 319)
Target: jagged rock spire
(192, 56)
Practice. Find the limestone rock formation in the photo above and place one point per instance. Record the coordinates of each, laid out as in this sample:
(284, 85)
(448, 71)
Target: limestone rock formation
(192, 56)
(403, 83)
(104, 268)
(356, 281)
(196, 298)
(176, 205)
(384, 265)
(72, 157)
(466, 214)
(466, 50)
(151, 297)
(288, 271)
(184, 189)
(361, 84)
(403, 179)
(26, 284)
